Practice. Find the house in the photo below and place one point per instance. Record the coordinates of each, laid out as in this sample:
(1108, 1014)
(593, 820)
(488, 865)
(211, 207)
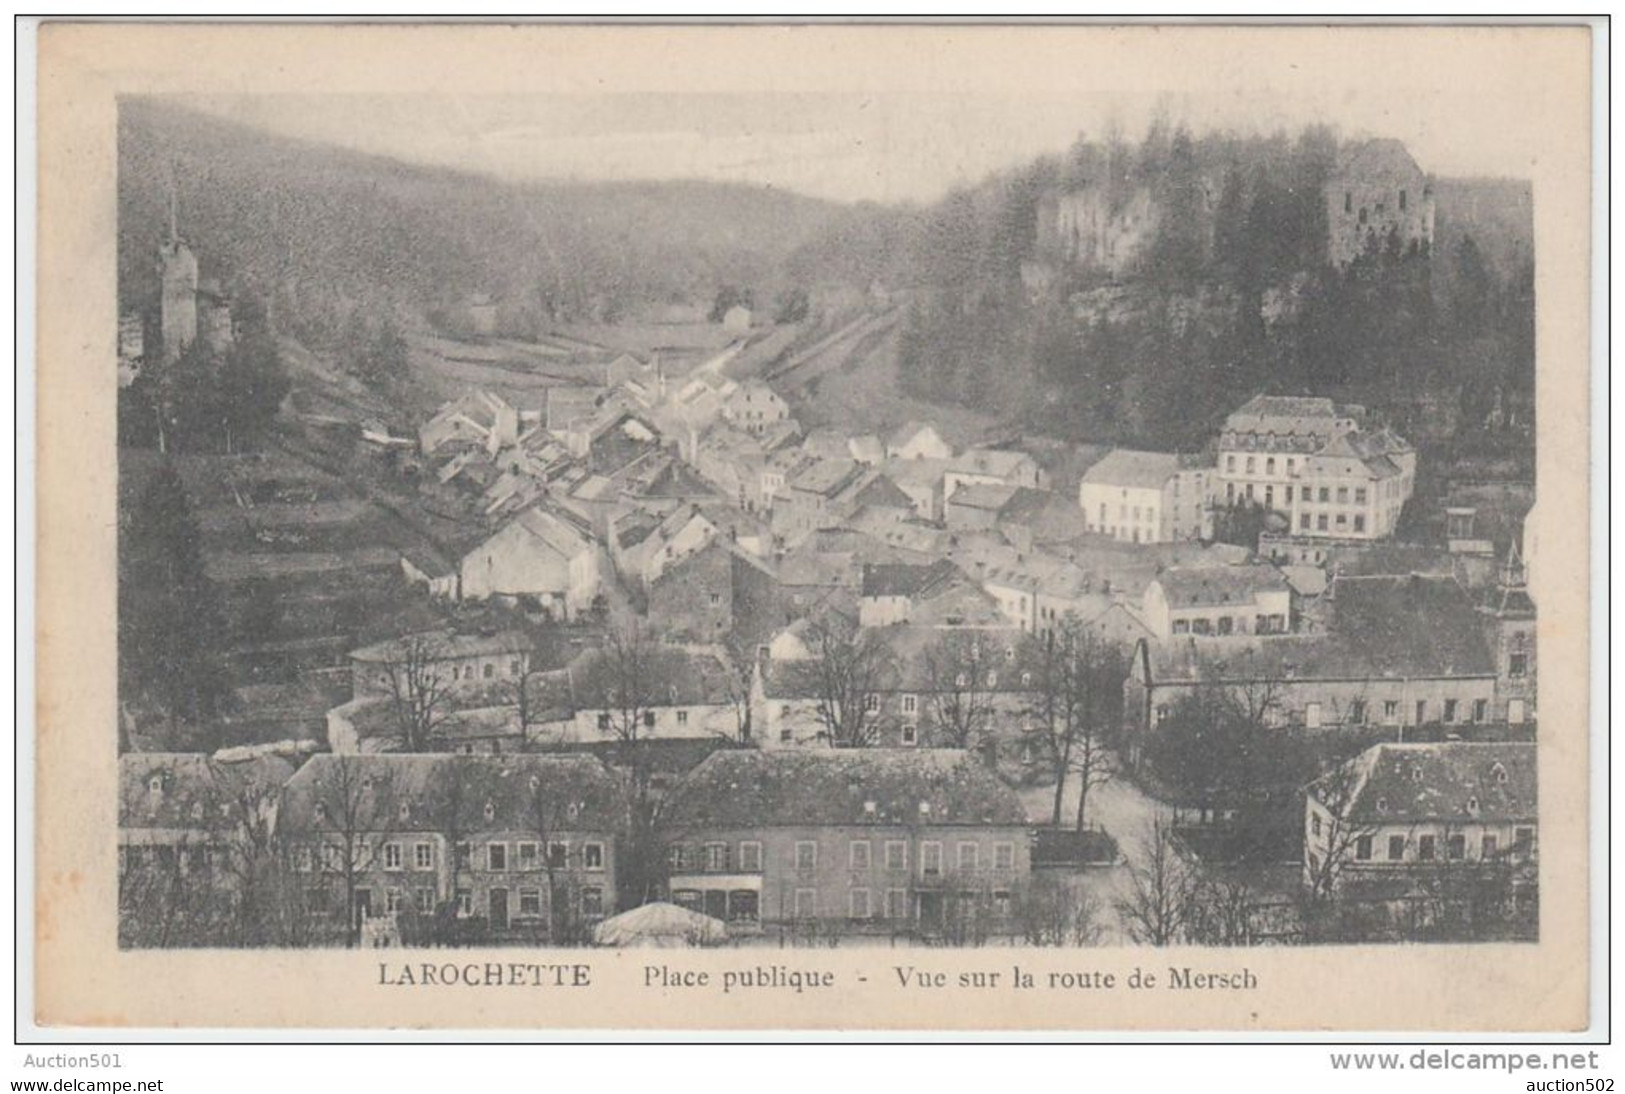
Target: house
(917, 441)
(867, 449)
(979, 506)
(189, 815)
(1398, 652)
(809, 500)
(737, 319)
(478, 419)
(670, 691)
(494, 848)
(544, 556)
(901, 592)
(753, 407)
(1218, 602)
(1264, 441)
(1382, 823)
(457, 661)
(1034, 589)
(719, 594)
(921, 479)
(1353, 487)
(1375, 193)
(1147, 497)
(996, 466)
(852, 840)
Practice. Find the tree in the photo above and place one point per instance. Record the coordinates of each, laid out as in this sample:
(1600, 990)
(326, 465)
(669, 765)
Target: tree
(956, 668)
(624, 683)
(349, 829)
(419, 689)
(383, 357)
(1162, 890)
(251, 383)
(1074, 674)
(793, 305)
(171, 626)
(1053, 912)
(848, 670)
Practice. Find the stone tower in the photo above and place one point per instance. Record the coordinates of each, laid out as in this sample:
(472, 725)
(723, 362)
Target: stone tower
(1377, 190)
(1509, 616)
(177, 271)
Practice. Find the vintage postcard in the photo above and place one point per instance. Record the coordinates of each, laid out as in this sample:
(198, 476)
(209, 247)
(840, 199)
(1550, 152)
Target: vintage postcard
(844, 527)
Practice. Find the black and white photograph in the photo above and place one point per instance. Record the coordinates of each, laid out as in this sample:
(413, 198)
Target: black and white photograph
(822, 522)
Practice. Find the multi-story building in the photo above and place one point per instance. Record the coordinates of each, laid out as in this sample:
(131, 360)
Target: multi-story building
(1399, 810)
(543, 555)
(505, 848)
(454, 662)
(1398, 652)
(1376, 193)
(859, 840)
(1312, 461)
(1218, 602)
(1148, 497)
(994, 466)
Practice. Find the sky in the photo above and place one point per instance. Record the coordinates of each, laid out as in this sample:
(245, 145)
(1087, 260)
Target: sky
(887, 146)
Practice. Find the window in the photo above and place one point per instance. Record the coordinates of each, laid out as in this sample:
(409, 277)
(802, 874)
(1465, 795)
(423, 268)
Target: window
(530, 902)
(871, 703)
(1320, 522)
(806, 905)
(424, 900)
(806, 855)
(1357, 712)
(1403, 196)
(1226, 624)
(716, 857)
(744, 904)
(1314, 824)
(682, 717)
(1449, 710)
(1362, 214)
(648, 719)
(1421, 711)
(716, 599)
(993, 677)
(1348, 201)
(303, 860)
(857, 855)
(392, 901)
(489, 671)
(1230, 463)
(1523, 840)
(1342, 520)
(896, 904)
(1362, 848)
(1515, 711)
(1481, 710)
(896, 854)
(1424, 848)
(858, 903)
(1004, 856)
(1359, 522)
(968, 855)
(1251, 463)
(1488, 846)
(1359, 495)
(911, 735)
(528, 859)
(1183, 626)
(1325, 495)
(603, 721)
(513, 667)
(1518, 665)
(784, 735)
(558, 855)
(592, 856)
(465, 902)
(1303, 520)
(392, 856)
(931, 859)
(496, 856)
(1456, 848)
(592, 901)
(750, 856)
(1311, 715)
(675, 858)
(1396, 848)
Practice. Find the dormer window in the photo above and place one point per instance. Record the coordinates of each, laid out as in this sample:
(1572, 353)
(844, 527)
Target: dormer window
(1382, 805)
(1499, 773)
(869, 808)
(405, 811)
(1416, 774)
(1472, 806)
(321, 811)
(490, 811)
(155, 784)
(535, 782)
(197, 811)
(925, 809)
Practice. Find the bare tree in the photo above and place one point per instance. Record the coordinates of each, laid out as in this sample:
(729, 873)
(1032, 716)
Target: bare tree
(1223, 913)
(625, 683)
(849, 669)
(1334, 834)
(1162, 889)
(957, 668)
(350, 828)
(1071, 670)
(1051, 912)
(419, 689)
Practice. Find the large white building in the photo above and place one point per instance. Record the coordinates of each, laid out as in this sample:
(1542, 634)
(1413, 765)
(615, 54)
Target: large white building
(1147, 497)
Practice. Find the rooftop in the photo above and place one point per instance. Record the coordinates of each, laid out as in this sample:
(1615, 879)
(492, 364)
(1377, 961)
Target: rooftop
(1458, 781)
(751, 788)
(1134, 469)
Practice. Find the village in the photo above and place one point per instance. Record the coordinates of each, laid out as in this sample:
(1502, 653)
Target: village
(625, 635)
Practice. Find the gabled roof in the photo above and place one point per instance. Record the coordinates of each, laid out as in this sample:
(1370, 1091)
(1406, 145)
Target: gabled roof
(906, 579)
(753, 788)
(906, 432)
(673, 676)
(989, 496)
(1380, 155)
(419, 792)
(444, 645)
(827, 477)
(1453, 781)
(990, 461)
